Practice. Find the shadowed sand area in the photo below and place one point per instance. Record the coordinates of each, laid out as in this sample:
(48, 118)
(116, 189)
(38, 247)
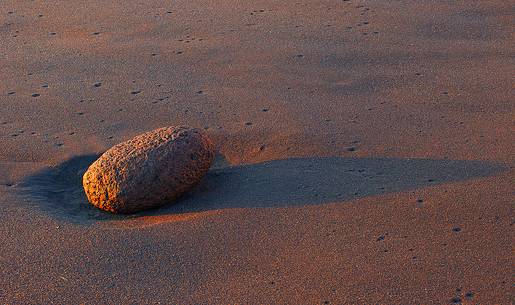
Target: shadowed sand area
(278, 183)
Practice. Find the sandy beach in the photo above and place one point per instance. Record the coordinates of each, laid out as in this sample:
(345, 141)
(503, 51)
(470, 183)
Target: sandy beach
(364, 151)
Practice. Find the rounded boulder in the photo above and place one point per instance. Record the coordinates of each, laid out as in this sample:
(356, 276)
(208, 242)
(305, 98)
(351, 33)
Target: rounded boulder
(149, 170)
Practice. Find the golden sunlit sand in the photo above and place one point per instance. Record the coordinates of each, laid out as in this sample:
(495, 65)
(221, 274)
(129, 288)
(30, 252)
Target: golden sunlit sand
(365, 151)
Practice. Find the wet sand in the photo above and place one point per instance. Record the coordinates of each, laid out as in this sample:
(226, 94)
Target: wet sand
(365, 151)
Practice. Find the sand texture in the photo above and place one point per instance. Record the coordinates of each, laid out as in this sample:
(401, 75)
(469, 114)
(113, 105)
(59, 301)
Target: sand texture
(364, 151)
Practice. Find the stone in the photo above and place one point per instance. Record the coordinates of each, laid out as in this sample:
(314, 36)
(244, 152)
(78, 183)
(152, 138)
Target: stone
(149, 170)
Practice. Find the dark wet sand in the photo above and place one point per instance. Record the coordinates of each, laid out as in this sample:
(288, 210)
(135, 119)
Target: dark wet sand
(366, 151)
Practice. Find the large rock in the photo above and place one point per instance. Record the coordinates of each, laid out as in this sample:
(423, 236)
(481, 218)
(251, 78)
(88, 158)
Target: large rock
(149, 170)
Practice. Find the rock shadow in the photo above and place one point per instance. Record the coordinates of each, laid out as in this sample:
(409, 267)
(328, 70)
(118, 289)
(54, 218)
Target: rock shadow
(279, 183)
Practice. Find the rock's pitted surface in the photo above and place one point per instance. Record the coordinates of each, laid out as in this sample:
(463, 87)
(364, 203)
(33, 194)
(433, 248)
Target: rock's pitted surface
(149, 170)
